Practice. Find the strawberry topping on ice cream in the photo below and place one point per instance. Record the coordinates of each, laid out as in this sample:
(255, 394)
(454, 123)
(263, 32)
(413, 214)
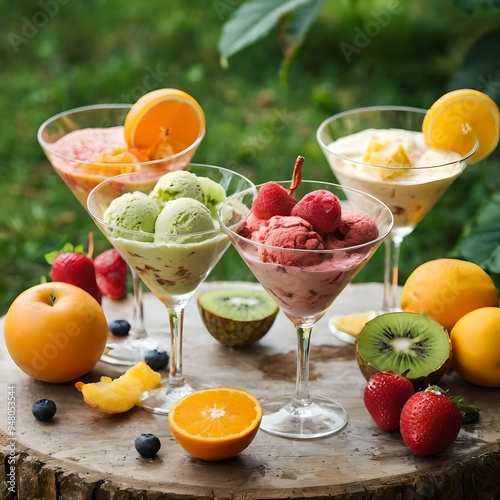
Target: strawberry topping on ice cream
(272, 199)
(315, 222)
(321, 208)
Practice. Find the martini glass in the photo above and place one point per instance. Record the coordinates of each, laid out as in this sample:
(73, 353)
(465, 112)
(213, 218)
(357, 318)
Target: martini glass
(410, 192)
(304, 283)
(97, 152)
(172, 266)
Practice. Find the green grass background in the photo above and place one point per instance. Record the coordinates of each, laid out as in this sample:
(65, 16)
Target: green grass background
(56, 55)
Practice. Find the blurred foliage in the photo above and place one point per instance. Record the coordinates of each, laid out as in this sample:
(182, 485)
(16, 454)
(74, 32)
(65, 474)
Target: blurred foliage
(57, 55)
(479, 69)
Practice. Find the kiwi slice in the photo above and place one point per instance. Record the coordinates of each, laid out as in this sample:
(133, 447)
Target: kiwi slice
(407, 343)
(237, 316)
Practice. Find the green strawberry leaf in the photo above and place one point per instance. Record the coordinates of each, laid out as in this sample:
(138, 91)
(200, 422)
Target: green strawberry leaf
(456, 400)
(463, 408)
(67, 247)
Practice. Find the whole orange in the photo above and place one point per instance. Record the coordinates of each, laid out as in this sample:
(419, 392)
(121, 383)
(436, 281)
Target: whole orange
(447, 289)
(475, 341)
(55, 332)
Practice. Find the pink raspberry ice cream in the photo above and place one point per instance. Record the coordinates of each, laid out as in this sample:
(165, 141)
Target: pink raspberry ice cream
(289, 232)
(355, 228)
(251, 226)
(321, 208)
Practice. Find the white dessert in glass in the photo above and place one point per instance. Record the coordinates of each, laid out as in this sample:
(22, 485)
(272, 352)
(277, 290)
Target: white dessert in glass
(416, 176)
(381, 150)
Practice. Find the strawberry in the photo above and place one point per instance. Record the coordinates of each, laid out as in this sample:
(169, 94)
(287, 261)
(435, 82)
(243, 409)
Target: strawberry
(71, 265)
(111, 274)
(273, 199)
(384, 395)
(431, 420)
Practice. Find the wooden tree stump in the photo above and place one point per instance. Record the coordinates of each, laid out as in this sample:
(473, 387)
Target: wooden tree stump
(83, 454)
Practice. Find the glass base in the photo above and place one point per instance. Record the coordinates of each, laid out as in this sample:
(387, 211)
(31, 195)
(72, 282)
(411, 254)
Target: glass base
(162, 399)
(284, 416)
(128, 352)
(347, 328)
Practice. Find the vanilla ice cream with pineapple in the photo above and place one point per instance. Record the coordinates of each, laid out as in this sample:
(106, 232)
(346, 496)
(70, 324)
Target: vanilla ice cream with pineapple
(172, 248)
(412, 177)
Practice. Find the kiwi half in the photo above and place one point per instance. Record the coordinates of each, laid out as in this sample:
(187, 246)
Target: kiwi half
(237, 316)
(406, 343)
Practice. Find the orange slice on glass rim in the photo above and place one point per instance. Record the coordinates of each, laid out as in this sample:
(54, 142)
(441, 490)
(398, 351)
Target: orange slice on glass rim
(215, 424)
(459, 118)
(164, 122)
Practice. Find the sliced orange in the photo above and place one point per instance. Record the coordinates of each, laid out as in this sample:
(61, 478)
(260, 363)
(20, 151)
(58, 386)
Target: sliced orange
(121, 155)
(164, 122)
(457, 118)
(215, 424)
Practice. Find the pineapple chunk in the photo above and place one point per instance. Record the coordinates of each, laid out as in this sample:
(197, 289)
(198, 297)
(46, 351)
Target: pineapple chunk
(387, 154)
(123, 393)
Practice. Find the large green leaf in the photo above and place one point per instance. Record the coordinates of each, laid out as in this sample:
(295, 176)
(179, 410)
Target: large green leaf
(295, 31)
(301, 21)
(482, 245)
(472, 5)
(481, 67)
(252, 21)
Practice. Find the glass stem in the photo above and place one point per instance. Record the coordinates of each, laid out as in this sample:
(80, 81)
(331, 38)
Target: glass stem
(391, 271)
(138, 330)
(302, 396)
(176, 319)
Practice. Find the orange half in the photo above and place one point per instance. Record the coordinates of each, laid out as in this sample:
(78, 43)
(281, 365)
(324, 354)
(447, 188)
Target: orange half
(215, 424)
(164, 122)
(459, 118)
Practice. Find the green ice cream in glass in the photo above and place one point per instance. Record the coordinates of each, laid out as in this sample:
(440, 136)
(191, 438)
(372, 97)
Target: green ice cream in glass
(173, 247)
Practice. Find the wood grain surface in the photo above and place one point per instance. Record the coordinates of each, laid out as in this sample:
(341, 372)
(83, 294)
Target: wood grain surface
(83, 454)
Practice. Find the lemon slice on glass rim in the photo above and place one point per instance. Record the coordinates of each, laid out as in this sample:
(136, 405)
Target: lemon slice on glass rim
(460, 118)
(349, 326)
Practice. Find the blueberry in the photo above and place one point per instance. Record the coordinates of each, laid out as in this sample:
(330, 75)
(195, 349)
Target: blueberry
(119, 327)
(147, 445)
(156, 359)
(44, 409)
